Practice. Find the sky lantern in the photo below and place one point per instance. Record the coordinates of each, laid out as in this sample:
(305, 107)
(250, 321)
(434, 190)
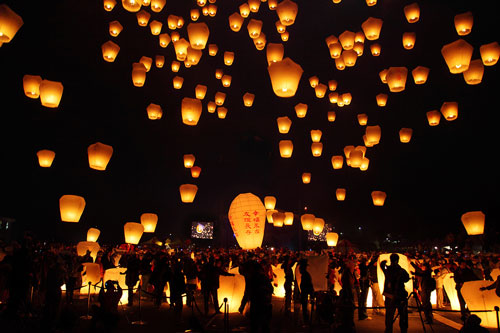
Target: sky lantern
(205, 10)
(181, 47)
(409, 40)
(371, 27)
(349, 57)
(147, 62)
(301, 110)
(280, 28)
(288, 218)
(93, 234)
(99, 155)
(201, 3)
(157, 5)
(359, 37)
(154, 111)
(248, 99)
(143, 18)
(220, 97)
(370, 3)
(272, 4)
(373, 134)
(375, 49)
(306, 177)
(340, 194)
(287, 12)
(449, 110)
(270, 202)
(132, 6)
(254, 28)
(269, 215)
(356, 157)
(71, 207)
(316, 149)
(254, 5)
(318, 226)
(420, 74)
(347, 151)
(172, 21)
(383, 75)
(195, 171)
(358, 48)
(286, 148)
(285, 36)
(335, 50)
(307, 221)
(109, 5)
(247, 216)
(115, 28)
(228, 58)
(331, 116)
(362, 119)
(339, 63)
(226, 80)
(189, 160)
(200, 91)
(473, 222)
(381, 99)
(346, 98)
(490, 53)
(332, 85)
(337, 162)
(260, 42)
(188, 192)
(320, 90)
(146, 3)
(285, 76)
(457, 55)
(177, 82)
(365, 162)
(347, 39)
(212, 49)
(175, 66)
(155, 27)
(333, 97)
(159, 61)
(31, 85)
(219, 73)
(133, 232)
(149, 221)
(10, 23)
(138, 74)
(316, 135)
(378, 198)
(331, 39)
(198, 35)
(244, 9)
(211, 107)
(212, 10)
(51, 93)
(175, 36)
(191, 111)
(405, 134)
(433, 117)
(193, 56)
(313, 81)
(235, 21)
(164, 39)
(463, 23)
(180, 22)
(278, 219)
(412, 12)
(45, 157)
(474, 75)
(284, 124)
(396, 78)
(221, 112)
(332, 237)
(194, 14)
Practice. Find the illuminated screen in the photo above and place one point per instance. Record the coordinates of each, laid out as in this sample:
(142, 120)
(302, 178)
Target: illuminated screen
(322, 236)
(202, 230)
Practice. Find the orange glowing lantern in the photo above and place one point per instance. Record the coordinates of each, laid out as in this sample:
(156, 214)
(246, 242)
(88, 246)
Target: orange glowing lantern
(463, 23)
(175, 36)
(181, 47)
(316, 135)
(220, 97)
(337, 162)
(157, 5)
(244, 10)
(147, 62)
(457, 55)
(172, 22)
(362, 119)
(188, 192)
(164, 40)
(340, 194)
(316, 149)
(412, 12)
(221, 112)
(155, 27)
(149, 221)
(189, 160)
(143, 18)
(194, 14)
(339, 63)
(473, 222)
(211, 107)
(383, 75)
(490, 53)
(247, 206)
(219, 73)
(409, 40)
(270, 202)
(51, 93)
(371, 27)
(91, 246)
(346, 98)
(115, 28)
(285, 36)
(235, 22)
(307, 221)
(45, 158)
(301, 110)
(228, 58)
(358, 48)
(318, 226)
(359, 37)
(226, 80)
(286, 148)
(31, 85)
(288, 218)
(287, 12)
(254, 5)
(10, 23)
(347, 39)
(138, 74)
(109, 5)
(335, 50)
(433, 117)
(93, 234)
(332, 238)
(420, 74)
(331, 116)
(332, 85)
(285, 76)
(248, 99)
(212, 49)
(280, 28)
(254, 28)
(159, 61)
(375, 49)
(333, 97)
(373, 134)
(175, 66)
(212, 10)
(381, 99)
(306, 177)
(260, 42)
(396, 78)
(132, 6)
(378, 198)
(349, 57)
(320, 90)
(177, 82)
(195, 172)
(405, 135)
(474, 75)
(71, 207)
(449, 110)
(284, 124)
(191, 111)
(278, 219)
(272, 4)
(198, 35)
(313, 81)
(269, 215)
(99, 155)
(200, 91)
(133, 232)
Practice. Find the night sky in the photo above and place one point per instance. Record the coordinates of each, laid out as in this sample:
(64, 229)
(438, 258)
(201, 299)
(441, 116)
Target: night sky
(430, 182)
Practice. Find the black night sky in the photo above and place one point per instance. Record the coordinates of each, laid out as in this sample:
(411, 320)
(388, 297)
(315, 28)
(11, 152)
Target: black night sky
(430, 182)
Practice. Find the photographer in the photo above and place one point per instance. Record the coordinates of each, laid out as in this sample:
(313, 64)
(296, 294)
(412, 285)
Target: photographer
(426, 284)
(395, 293)
(107, 314)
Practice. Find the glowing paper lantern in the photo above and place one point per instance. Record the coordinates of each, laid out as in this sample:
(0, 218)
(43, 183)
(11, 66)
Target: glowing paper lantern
(147, 62)
(149, 221)
(99, 155)
(301, 110)
(195, 172)
(383, 75)
(10, 23)
(287, 12)
(248, 99)
(373, 134)
(219, 73)
(433, 117)
(31, 85)
(164, 40)
(307, 221)
(331, 116)
(463, 23)
(200, 91)
(375, 49)
(188, 192)
(154, 111)
(211, 107)
(235, 22)
(362, 119)
(93, 234)
(412, 12)
(332, 85)
(133, 232)
(115, 28)
(172, 22)
(318, 226)
(288, 218)
(194, 14)
(320, 90)
(45, 158)
(272, 4)
(474, 75)
(71, 207)
(157, 5)
(92, 274)
(381, 99)
(270, 202)
(449, 110)
(335, 50)
(473, 222)
(346, 39)
(278, 219)
(220, 97)
(110, 51)
(284, 124)
(212, 49)
(332, 238)
(92, 246)
(355, 158)
(339, 63)
(457, 55)
(337, 162)
(244, 10)
(231, 288)
(274, 52)
(409, 40)
(286, 148)
(285, 76)
(420, 74)
(371, 27)
(316, 149)
(358, 48)
(143, 18)
(51, 93)
(221, 112)
(340, 194)
(280, 28)
(405, 135)
(490, 53)
(138, 74)
(247, 216)
(212, 10)
(254, 28)
(306, 177)
(316, 135)
(378, 198)
(285, 36)
(404, 262)
(484, 301)
(189, 160)
(109, 5)
(191, 111)
(132, 6)
(226, 80)
(396, 78)
(228, 58)
(333, 97)
(198, 35)
(159, 61)
(346, 98)
(254, 5)
(175, 66)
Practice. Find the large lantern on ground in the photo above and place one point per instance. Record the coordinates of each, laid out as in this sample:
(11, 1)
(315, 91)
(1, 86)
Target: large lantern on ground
(396, 78)
(45, 158)
(463, 23)
(371, 27)
(109, 5)
(457, 55)
(307, 221)
(332, 238)
(490, 53)
(247, 216)
(191, 111)
(71, 207)
(133, 232)
(378, 198)
(99, 155)
(51, 93)
(287, 11)
(83, 247)
(473, 222)
(286, 148)
(149, 221)
(285, 76)
(188, 192)
(93, 234)
(198, 35)
(412, 12)
(10, 23)
(449, 110)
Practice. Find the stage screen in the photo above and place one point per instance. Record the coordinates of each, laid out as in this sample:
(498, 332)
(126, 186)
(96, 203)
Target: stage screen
(202, 230)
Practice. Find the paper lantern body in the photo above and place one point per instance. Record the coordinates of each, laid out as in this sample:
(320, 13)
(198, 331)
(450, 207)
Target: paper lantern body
(248, 99)
(278, 219)
(31, 85)
(235, 22)
(118, 274)
(474, 222)
(51, 93)
(115, 28)
(373, 134)
(433, 117)
(99, 155)
(284, 124)
(375, 49)
(286, 148)
(132, 6)
(228, 58)
(463, 23)
(93, 234)
(396, 78)
(318, 226)
(164, 40)
(143, 18)
(405, 135)
(409, 40)
(381, 99)
(92, 246)
(133, 232)
(331, 116)
(149, 222)
(138, 74)
(285, 76)
(307, 221)
(219, 97)
(335, 50)
(332, 238)
(45, 158)
(457, 55)
(474, 75)
(346, 39)
(71, 207)
(449, 110)
(288, 218)
(154, 111)
(316, 149)
(270, 202)
(195, 171)
(481, 301)
(10, 23)
(340, 194)
(412, 12)
(188, 192)
(155, 27)
(490, 53)
(159, 61)
(378, 198)
(449, 287)
(274, 52)
(232, 288)
(287, 11)
(109, 5)
(191, 111)
(247, 216)
(371, 27)
(92, 273)
(254, 28)
(221, 112)
(337, 162)
(301, 110)
(198, 35)
(306, 177)
(420, 74)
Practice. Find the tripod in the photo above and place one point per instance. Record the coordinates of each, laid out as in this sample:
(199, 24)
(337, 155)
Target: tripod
(419, 308)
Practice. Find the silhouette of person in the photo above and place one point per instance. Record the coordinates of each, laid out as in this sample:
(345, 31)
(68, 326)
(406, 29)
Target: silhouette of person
(395, 293)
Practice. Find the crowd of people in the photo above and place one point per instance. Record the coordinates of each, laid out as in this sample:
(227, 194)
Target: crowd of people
(32, 274)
